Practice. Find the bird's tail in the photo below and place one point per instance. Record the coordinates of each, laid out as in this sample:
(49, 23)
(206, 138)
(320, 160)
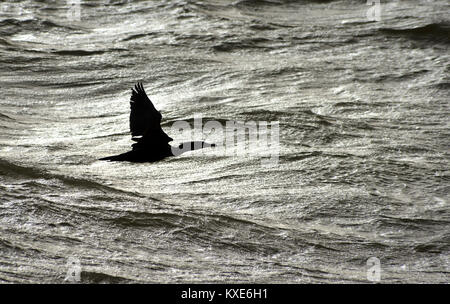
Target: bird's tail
(120, 157)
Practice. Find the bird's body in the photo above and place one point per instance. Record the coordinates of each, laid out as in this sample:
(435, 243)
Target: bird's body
(142, 156)
(152, 143)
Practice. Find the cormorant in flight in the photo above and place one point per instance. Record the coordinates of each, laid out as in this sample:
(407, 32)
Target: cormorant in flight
(153, 143)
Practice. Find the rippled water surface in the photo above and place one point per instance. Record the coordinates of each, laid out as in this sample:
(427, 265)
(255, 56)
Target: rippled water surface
(364, 141)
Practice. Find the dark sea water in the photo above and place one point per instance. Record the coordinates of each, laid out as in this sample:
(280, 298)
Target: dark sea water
(363, 169)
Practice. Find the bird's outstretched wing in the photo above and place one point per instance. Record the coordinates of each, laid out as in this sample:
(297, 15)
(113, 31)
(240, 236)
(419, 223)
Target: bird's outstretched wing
(145, 120)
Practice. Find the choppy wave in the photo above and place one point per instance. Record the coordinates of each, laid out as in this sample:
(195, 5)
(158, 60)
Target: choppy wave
(256, 3)
(9, 169)
(5, 117)
(9, 27)
(436, 32)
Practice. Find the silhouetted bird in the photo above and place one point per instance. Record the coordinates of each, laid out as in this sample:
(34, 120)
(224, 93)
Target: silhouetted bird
(153, 143)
